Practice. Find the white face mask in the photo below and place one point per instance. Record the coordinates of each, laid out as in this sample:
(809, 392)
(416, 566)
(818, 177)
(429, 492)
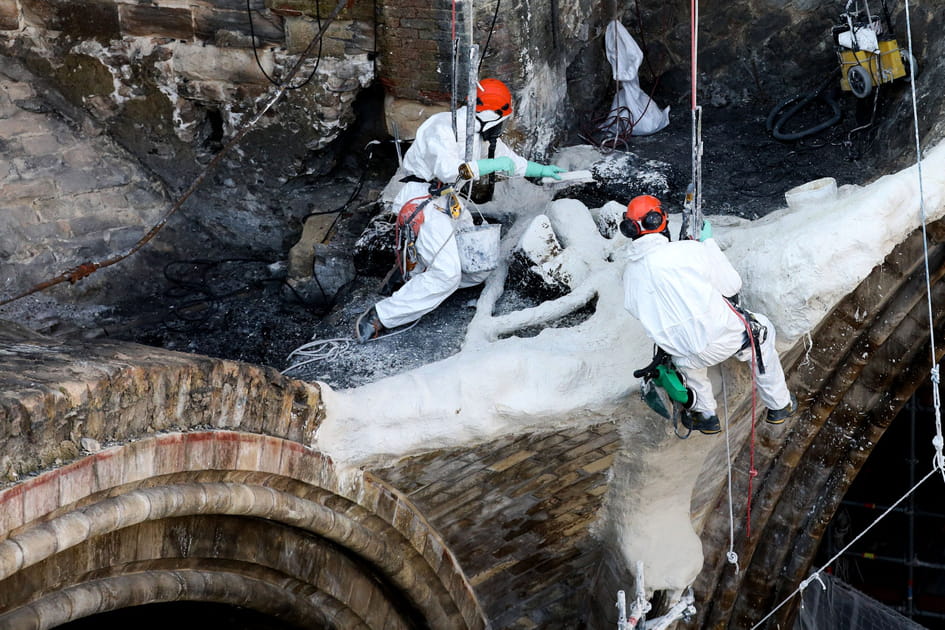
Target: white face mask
(489, 119)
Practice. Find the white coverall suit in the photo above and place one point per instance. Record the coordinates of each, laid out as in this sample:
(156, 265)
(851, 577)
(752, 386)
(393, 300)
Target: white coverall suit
(437, 155)
(676, 290)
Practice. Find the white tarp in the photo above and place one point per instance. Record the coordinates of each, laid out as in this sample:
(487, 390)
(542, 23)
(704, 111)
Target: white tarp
(644, 114)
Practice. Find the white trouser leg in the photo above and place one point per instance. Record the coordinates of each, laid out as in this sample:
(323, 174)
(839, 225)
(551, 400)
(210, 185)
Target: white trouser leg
(772, 388)
(436, 246)
(697, 379)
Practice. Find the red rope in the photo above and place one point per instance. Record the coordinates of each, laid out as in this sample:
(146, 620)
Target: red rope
(693, 34)
(752, 471)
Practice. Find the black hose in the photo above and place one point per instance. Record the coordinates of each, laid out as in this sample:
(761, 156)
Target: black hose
(784, 111)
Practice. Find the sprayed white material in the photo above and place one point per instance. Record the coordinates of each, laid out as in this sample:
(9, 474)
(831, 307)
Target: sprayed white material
(795, 266)
(818, 191)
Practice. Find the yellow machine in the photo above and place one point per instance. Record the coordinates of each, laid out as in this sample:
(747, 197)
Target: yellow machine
(868, 51)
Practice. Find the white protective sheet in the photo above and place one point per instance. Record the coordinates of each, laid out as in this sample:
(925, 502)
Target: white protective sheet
(625, 57)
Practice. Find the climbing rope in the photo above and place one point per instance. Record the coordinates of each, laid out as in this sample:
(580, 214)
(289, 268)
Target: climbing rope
(938, 460)
(752, 471)
(937, 441)
(695, 210)
(731, 556)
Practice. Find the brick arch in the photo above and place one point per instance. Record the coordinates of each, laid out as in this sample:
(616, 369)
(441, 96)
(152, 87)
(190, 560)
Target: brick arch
(867, 358)
(112, 522)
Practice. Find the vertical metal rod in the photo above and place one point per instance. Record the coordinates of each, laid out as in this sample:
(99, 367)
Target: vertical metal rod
(471, 101)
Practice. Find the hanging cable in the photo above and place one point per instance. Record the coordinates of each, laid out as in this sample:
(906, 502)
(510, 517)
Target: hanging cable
(938, 441)
(817, 573)
(252, 36)
(692, 213)
(485, 48)
(938, 460)
(731, 556)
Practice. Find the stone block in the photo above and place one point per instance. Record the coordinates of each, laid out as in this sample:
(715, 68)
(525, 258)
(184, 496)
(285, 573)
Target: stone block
(11, 510)
(342, 38)
(209, 22)
(85, 19)
(210, 63)
(154, 21)
(33, 189)
(18, 125)
(9, 15)
(76, 481)
(40, 496)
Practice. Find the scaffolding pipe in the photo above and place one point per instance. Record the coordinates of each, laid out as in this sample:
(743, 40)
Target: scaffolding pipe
(915, 562)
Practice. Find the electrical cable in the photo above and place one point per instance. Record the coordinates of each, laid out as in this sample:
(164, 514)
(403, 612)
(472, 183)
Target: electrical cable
(252, 35)
(785, 110)
(485, 48)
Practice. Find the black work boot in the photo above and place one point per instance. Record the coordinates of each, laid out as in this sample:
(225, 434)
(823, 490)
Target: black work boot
(368, 326)
(778, 416)
(699, 421)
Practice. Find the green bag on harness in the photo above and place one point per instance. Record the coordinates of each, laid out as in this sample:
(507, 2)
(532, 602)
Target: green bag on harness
(661, 376)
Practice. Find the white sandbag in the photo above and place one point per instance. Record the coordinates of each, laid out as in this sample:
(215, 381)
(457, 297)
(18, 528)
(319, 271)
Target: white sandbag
(625, 57)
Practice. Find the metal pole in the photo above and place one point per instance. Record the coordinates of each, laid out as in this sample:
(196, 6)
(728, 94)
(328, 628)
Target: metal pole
(471, 102)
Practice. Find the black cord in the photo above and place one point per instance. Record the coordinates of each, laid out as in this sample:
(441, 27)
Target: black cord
(485, 48)
(252, 35)
(785, 110)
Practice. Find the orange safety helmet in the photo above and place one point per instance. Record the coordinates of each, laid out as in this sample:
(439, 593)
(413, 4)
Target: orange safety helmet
(643, 216)
(493, 95)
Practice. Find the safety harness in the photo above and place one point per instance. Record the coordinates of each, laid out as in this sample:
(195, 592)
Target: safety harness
(410, 219)
(755, 333)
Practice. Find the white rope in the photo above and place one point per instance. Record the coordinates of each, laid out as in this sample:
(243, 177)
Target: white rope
(938, 461)
(331, 349)
(318, 350)
(731, 556)
(816, 573)
(938, 441)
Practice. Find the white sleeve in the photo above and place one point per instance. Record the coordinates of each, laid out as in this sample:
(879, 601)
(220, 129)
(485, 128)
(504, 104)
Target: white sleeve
(722, 274)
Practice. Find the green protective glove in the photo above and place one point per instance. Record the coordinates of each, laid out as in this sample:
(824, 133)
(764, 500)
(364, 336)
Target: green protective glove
(706, 232)
(534, 169)
(496, 165)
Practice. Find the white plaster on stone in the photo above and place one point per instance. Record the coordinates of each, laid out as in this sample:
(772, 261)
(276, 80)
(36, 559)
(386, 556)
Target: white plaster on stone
(796, 266)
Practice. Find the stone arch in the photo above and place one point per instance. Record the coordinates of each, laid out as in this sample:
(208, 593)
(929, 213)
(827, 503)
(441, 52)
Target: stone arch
(866, 359)
(229, 517)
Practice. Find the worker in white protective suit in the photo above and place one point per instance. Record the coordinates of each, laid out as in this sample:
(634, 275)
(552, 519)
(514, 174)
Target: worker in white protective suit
(434, 162)
(685, 295)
